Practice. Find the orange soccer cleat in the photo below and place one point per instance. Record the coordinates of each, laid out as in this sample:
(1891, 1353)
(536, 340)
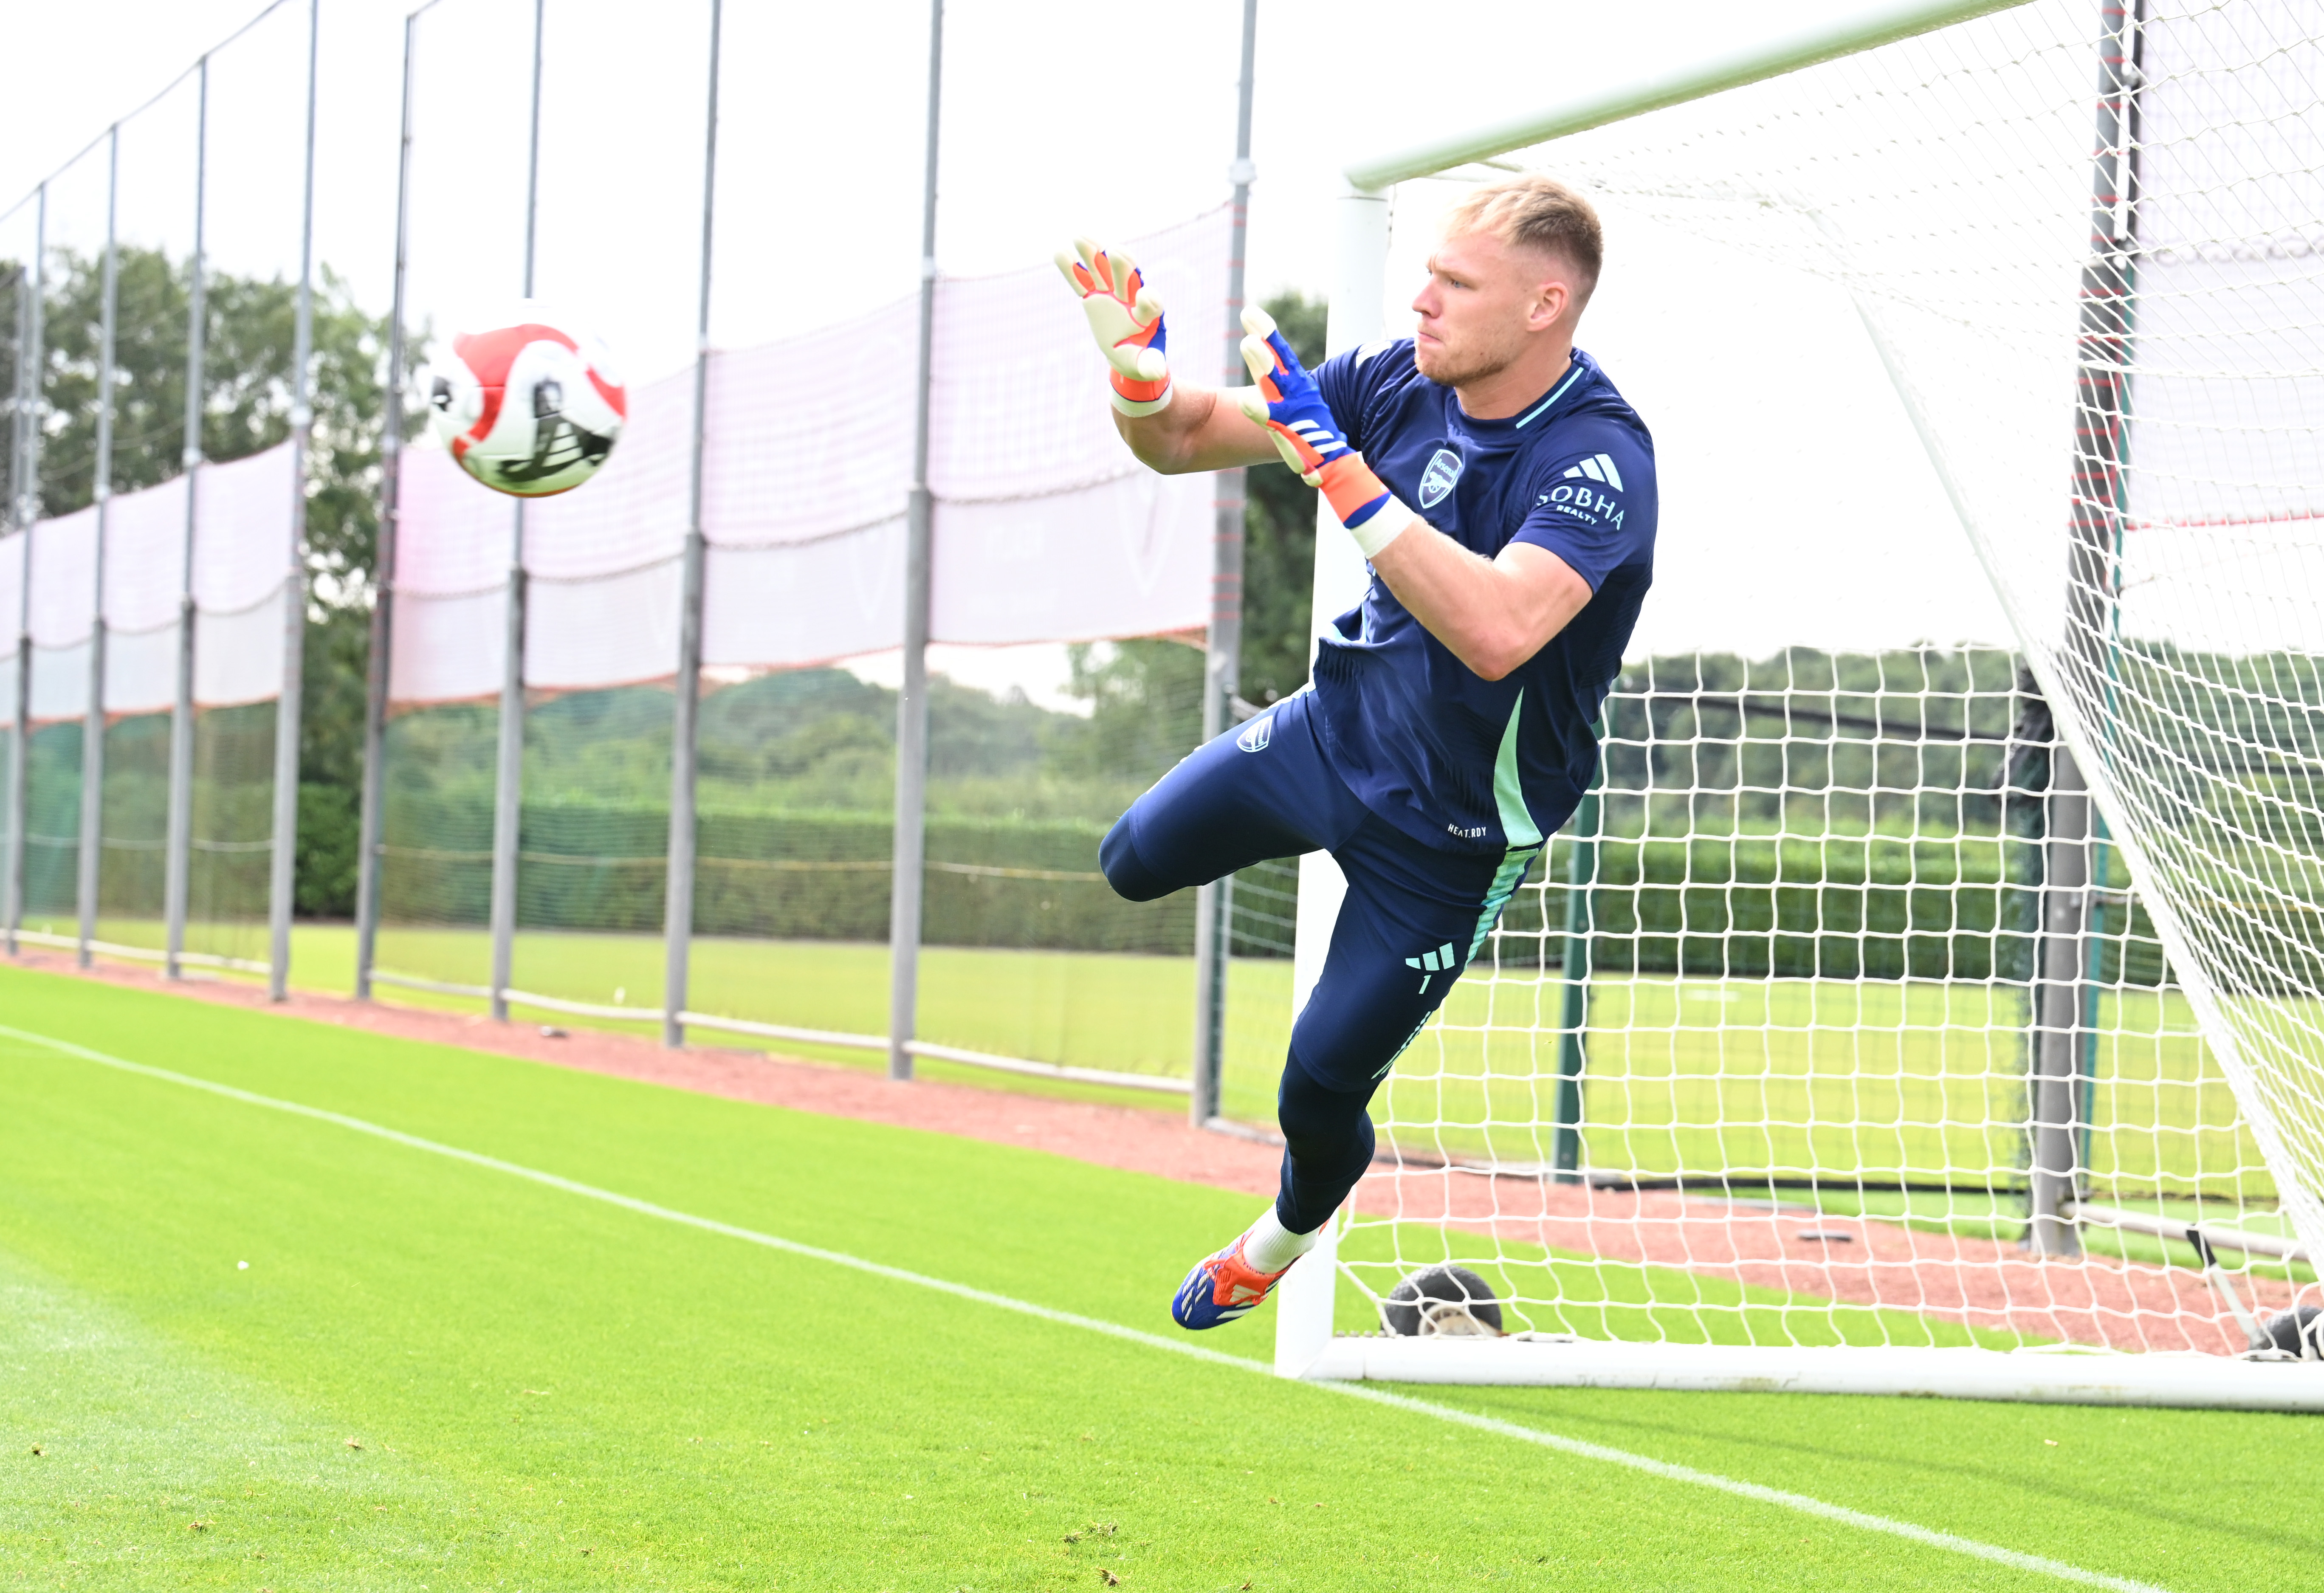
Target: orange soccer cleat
(1221, 1288)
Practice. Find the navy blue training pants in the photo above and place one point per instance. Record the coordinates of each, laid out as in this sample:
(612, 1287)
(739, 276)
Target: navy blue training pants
(1413, 918)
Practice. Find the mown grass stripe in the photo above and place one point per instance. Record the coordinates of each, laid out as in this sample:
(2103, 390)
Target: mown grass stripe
(1580, 1448)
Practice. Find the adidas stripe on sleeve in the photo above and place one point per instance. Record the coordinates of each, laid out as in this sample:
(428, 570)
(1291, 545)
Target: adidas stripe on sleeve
(1582, 508)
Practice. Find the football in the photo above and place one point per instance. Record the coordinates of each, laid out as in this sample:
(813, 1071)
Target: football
(1450, 1301)
(529, 406)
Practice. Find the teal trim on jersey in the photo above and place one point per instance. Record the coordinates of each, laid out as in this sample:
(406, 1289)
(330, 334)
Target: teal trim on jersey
(1505, 881)
(1555, 393)
(1518, 828)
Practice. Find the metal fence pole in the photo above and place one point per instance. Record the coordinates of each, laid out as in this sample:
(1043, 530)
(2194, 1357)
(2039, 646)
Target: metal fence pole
(1580, 923)
(677, 901)
(178, 849)
(2103, 353)
(2094, 979)
(2058, 1011)
(1222, 664)
(912, 700)
(282, 886)
(31, 358)
(379, 667)
(508, 777)
(19, 285)
(90, 854)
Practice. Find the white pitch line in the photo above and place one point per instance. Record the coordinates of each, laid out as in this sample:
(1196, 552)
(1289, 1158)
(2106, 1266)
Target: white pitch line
(1664, 1469)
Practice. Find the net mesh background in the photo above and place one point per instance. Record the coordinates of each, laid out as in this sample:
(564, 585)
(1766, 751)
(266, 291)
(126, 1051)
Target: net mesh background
(228, 864)
(1812, 883)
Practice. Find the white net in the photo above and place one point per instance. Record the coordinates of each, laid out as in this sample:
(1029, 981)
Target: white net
(1786, 1038)
(1770, 1008)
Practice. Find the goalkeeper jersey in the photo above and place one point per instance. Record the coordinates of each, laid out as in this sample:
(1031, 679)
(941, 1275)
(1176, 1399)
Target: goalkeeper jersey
(1456, 761)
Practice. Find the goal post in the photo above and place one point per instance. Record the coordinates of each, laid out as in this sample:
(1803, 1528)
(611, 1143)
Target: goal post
(2009, 921)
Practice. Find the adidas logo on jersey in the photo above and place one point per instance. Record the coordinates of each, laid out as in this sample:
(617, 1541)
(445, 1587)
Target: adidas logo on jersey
(1256, 734)
(1439, 961)
(1597, 468)
(1576, 499)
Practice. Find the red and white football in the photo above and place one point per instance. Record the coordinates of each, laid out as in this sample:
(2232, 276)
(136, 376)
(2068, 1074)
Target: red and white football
(530, 407)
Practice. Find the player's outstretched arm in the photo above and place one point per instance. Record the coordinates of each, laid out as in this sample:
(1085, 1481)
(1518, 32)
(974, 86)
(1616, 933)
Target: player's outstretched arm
(1493, 613)
(1173, 427)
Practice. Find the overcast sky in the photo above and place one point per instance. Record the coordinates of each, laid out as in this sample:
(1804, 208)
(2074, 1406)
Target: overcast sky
(1056, 120)
(1050, 126)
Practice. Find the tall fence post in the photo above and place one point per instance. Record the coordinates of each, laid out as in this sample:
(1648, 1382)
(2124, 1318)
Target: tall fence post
(31, 359)
(686, 725)
(282, 886)
(910, 850)
(1580, 925)
(11, 815)
(2095, 930)
(2107, 312)
(1222, 660)
(2058, 1009)
(178, 845)
(508, 777)
(379, 670)
(90, 854)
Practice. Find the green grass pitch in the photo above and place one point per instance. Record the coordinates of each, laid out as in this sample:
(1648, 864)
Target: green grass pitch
(436, 1375)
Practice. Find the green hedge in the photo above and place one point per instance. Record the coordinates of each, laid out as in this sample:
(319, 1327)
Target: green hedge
(1873, 907)
(1837, 908)
(817, 875)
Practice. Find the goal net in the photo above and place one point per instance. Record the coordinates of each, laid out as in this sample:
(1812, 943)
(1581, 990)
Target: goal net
(1839, 1015)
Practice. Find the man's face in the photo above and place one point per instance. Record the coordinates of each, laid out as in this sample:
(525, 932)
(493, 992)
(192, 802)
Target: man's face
(1482, 303)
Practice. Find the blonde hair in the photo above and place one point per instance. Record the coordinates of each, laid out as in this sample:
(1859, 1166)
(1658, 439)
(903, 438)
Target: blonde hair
(1536, 212)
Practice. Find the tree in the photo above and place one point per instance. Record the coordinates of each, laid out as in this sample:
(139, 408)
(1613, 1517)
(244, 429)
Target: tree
(249, 329)
(1278, 560)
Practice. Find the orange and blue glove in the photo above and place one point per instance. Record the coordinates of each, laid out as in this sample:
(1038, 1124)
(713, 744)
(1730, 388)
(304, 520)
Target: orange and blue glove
(1127, 321)
(1290, 406)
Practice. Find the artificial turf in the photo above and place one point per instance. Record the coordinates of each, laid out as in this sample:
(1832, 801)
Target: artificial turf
(434, 1375)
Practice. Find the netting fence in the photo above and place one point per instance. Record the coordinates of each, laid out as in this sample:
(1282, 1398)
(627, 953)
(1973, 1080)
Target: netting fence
(1048, 536)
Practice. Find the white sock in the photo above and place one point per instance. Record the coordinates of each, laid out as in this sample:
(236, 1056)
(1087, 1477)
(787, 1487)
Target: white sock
(1270, 1247)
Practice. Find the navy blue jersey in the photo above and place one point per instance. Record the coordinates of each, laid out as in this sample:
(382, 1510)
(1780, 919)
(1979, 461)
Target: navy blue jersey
(1454, 760)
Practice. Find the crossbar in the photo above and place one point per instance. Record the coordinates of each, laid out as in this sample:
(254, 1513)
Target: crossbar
(1771, 58)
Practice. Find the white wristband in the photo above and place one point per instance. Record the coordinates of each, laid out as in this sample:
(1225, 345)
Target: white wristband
(1391, 521)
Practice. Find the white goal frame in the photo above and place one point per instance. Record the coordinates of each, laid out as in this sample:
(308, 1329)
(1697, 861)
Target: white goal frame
(1306, 1345)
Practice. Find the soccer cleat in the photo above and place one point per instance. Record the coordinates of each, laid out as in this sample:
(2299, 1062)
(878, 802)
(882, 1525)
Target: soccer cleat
(1221, 1288)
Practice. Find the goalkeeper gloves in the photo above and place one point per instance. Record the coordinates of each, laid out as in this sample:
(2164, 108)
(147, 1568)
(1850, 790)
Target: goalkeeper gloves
(1126, 321)
(1288, 403)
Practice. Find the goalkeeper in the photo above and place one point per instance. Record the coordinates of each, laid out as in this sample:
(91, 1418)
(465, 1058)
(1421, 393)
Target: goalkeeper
(1504, 496)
